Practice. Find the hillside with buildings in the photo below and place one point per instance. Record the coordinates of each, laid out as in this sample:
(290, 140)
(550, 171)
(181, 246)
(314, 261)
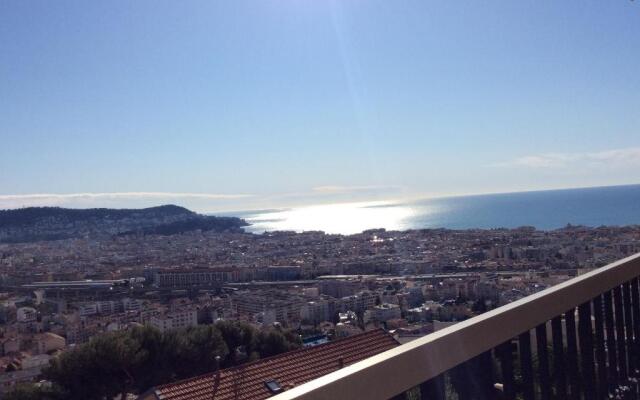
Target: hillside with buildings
(53, 223)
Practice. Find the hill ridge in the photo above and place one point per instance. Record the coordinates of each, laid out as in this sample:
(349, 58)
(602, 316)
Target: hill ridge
(53, 223)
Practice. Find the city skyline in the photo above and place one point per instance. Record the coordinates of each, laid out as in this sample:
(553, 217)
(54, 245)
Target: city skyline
(244, 105)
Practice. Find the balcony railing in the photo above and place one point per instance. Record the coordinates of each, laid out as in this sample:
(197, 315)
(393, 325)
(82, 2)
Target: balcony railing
(577, 340)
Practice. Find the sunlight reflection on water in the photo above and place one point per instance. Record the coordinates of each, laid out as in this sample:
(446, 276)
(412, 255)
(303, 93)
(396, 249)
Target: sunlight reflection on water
(345, 218)
(551, 209)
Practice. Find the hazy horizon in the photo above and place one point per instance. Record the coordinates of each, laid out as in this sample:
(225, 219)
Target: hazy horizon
(199, 201)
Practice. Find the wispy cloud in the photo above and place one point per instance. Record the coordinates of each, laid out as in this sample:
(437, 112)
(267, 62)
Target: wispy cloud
(352, 189)
(617, 157)
(200, 202)
(117, 199)
(121, 195)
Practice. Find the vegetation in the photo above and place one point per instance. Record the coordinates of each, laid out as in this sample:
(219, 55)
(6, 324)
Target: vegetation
(203, 223)
(22, 217)
(133, 361)
(54, 223)
(33, 392)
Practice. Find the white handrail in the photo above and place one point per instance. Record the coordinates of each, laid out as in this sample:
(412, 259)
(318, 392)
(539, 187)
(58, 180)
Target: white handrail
(394, 371)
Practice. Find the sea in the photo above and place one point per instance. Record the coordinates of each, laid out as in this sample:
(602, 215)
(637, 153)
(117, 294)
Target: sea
(544, 210)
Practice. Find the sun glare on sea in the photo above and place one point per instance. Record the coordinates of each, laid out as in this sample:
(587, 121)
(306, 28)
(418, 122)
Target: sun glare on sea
(344, 218)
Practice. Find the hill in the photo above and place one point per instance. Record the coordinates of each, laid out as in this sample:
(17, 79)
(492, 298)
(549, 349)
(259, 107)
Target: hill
(54, 223)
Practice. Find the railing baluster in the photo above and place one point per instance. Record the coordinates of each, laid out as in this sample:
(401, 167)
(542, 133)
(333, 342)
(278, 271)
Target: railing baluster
(559, 376)
(629, 342)
(433, 389)
(460, 381)
(586, 351)
(543, 362)
(612, 348)
(473, 380)
(572, 354)
(526, 366)
(485, 374)
(601, 356)
(505, 355)
(628, 325)
(620, 336)
(635, 300)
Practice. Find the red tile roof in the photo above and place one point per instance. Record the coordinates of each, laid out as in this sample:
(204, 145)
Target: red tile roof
(289, 369)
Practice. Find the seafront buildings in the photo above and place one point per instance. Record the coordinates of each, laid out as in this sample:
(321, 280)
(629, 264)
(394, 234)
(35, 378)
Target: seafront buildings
(58, 294)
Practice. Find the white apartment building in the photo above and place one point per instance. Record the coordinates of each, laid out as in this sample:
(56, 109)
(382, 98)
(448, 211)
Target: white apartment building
(315, 311)
(87, 309)
(360, 302)
(175, 320)
(131, 304)
(26, 314)
(382, 313)
(107, 307)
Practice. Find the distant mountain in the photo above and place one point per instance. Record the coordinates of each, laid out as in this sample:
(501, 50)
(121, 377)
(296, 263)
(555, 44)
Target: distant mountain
(54, 223)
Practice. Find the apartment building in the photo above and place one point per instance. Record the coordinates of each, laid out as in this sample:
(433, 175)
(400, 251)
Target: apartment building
(177, 319)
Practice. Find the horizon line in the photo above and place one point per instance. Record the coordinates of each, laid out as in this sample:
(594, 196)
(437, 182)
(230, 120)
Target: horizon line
(213, 196)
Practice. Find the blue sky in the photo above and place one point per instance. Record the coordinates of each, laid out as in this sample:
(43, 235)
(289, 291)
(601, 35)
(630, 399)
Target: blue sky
(255, 104)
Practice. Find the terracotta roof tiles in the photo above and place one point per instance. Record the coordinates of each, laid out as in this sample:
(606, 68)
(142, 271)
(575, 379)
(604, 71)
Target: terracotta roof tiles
(290, 369)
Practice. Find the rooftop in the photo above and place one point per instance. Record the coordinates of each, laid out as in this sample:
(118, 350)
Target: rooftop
(284, 371)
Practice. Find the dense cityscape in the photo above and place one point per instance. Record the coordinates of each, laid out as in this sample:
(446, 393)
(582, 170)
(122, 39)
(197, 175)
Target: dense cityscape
(319, 200)
(58, 295)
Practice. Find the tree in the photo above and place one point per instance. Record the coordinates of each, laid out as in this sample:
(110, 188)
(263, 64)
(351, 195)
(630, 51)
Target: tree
(273, 341)
(101, 368)
(132, 361)
(197, 349)
(153, 356)
(33, 392)
(241, 339)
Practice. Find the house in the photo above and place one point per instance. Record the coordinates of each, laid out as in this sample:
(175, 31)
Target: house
(267, 377)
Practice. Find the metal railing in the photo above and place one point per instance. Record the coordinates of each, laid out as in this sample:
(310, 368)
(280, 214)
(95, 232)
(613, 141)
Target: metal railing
(586, 346)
